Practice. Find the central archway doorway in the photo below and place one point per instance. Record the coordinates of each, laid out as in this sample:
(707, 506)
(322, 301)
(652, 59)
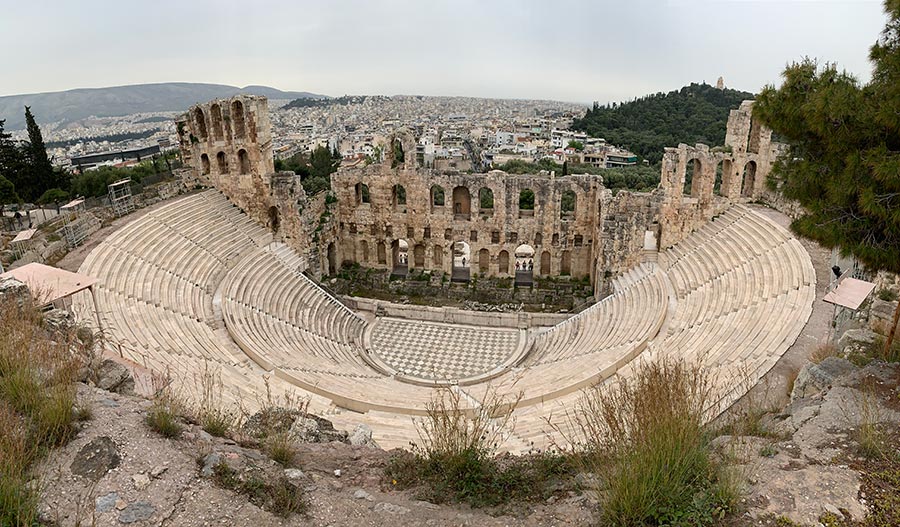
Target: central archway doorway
(462, 261)
(400, 258)
(524, 265)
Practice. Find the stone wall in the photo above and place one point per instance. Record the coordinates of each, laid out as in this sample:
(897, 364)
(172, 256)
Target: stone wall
(698, 182)
(371, 230)
(372, 211)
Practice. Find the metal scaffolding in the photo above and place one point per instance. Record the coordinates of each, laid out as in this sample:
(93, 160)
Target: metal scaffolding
(76, 224)
(120, 197)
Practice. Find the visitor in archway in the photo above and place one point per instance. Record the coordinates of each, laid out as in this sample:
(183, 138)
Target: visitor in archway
(464, 261)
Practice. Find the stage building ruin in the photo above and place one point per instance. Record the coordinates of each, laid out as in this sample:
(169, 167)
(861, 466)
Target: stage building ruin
(396, 215)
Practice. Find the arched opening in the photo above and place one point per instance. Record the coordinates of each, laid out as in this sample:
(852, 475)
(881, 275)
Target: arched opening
(484, 261)
(382, 253)
(723, 178)
(332, 259)
(565, 263)
(555, 239)
(486, 201)
(222, 163)
(462, 203)
(437, 196)
(419, 256)
(437, 257)
(398, 198)
(753, 140)
(545, 263)
(273, 219)
(503, 263)
(244, 161)
(204, 162)
(567, 204)
(400, 258)
(348, 252)
(200, 124)
(538, 239)
(524, 265)
(364, 252)
(526, 203)
(237, 119)
(462, 261)
(749, 180)
(362, 193)
(216, 113)
(692, 171)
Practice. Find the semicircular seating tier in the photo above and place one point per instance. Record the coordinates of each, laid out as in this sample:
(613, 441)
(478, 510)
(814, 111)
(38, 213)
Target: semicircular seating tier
(195, 283)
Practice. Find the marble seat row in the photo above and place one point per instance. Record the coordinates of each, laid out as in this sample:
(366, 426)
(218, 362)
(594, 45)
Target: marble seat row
(735, 294)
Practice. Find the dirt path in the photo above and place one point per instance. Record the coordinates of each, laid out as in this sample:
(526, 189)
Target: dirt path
(774, 387)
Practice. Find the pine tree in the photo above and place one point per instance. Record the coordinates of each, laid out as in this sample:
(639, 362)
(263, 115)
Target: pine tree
(843, 163)
(12, 162)
(7, 193)
(41, 175)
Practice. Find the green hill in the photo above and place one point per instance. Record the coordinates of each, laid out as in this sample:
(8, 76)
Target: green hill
(693, 114)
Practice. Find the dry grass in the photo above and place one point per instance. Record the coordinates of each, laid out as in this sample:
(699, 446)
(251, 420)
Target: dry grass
(822, 352)
(37, 400)
(456, 458)
(165, 414)
(450, 429)
(645, 439)
(214, 417)
(869, 436)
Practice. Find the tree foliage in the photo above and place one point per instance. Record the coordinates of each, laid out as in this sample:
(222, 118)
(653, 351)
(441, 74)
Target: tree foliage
(314, 169)
(843, 162)
(694, 114)
(27, 165)
(7, 192)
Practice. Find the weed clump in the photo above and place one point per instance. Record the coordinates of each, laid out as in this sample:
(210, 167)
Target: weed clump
(37, 404)
(162, 417)
(456, 459)
(645, 439)
(279, 497)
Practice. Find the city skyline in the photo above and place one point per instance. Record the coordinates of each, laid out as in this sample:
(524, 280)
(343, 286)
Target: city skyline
(562, 51)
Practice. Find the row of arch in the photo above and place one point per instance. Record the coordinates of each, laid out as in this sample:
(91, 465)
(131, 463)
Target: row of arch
(524, 259)
(461, 200)
(724, 173)
(222, 163)
(220, 124)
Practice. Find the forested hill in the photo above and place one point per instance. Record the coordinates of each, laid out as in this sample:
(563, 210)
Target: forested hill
(693, 114)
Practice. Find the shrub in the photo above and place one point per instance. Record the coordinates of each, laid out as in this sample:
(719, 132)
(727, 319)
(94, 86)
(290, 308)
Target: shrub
(644, 437)
(456, 459)
(888, 295)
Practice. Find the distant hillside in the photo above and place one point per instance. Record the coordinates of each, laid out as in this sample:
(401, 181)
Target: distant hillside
(72, 105)
(693, 114)
(313, 102)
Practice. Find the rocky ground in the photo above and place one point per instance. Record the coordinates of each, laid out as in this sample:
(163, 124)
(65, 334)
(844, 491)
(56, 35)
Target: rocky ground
(802, 463)
(118, 471)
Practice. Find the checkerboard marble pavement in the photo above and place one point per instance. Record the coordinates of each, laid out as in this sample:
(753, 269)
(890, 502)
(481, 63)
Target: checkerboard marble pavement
(440, 351)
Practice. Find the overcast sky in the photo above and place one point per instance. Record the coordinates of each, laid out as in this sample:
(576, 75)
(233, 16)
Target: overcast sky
(551, 49)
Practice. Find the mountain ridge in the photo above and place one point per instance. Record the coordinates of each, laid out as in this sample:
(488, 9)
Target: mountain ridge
(79, 103)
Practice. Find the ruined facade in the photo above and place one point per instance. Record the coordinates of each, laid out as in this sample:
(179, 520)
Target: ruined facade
(698, 182)
(396, 214)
